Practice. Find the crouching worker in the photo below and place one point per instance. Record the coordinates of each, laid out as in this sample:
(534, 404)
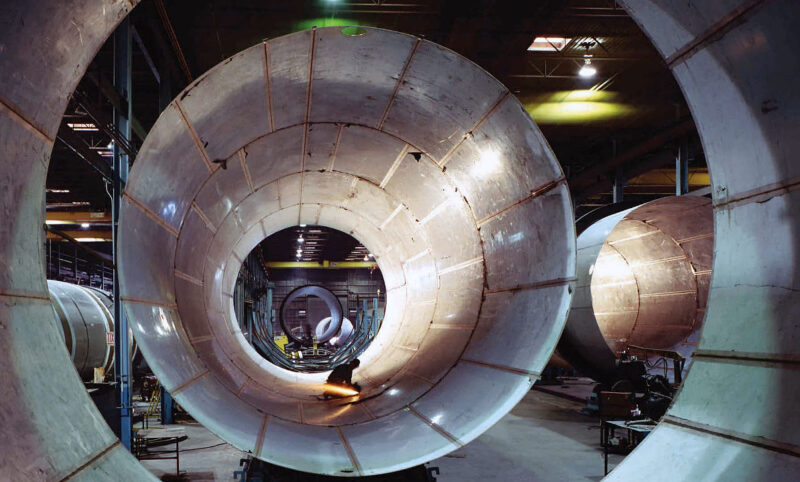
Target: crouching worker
(340, 381)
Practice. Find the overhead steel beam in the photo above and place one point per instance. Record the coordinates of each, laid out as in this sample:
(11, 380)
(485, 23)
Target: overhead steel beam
(121, 139)
(77, 217)
(589, 177)
(107, 89)
(176, 46)
(66, 236)
(77, 145)
(80, 236)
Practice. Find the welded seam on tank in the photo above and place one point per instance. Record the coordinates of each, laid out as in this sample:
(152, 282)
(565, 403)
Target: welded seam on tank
(17, 117)
(760, 442)
(460, 266)
(335, 150)
(636, 283)
(303, 153)
(268, 87)
(203, 217)
(536, 192)
(394, 166)
(27, 295)
(436, 427)
(140, 301)
(751, 358)
(262, 432)
(635, 236)
(682, 257)
(366, 410)
(349, 449)
(78, 310)
(446, 158)
(533, 286)
(246, 170)
(716, 32)
(435, 212)
(150, 214)
(197, 142)
(505, 368)
(760, 194)
(92, 460)
(183, 386)
(391, 216)
(399, 84)
(694, 238)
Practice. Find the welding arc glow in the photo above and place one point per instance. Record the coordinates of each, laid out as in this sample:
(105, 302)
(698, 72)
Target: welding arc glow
(340, 390)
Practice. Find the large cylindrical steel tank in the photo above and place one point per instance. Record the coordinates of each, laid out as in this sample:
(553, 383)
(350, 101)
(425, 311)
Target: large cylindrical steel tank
(85, 323)
(643, 278)
(87, 326)
(419, 154)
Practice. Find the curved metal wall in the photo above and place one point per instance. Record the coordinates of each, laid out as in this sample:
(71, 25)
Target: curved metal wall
(413, 150)
(736, 63)
(85, 321)
(736, 417)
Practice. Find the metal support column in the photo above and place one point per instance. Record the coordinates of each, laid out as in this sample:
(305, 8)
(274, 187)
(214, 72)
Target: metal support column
(166, 407)
(619, 178)
(122, 362)
(682, 168)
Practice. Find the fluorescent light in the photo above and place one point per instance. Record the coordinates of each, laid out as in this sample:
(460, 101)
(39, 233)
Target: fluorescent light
(58, 191)
(303, 225)
(82, 126)
(85, 225)
(548, 44)
(56, 221)
(300, 239)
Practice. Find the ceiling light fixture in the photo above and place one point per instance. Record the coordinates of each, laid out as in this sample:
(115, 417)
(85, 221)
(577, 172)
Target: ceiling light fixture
(85, 225)
(587, 70)
(300, 239)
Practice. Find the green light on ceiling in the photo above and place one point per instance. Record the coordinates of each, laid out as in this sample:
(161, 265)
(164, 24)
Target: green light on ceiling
(326, 22)
(576, 107)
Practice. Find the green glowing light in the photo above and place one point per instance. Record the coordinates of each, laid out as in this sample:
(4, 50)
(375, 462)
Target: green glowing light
(326, 22)
(576, 106)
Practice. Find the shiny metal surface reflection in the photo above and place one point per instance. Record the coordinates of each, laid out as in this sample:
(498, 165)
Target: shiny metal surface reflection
(413, 150)
(643, 277)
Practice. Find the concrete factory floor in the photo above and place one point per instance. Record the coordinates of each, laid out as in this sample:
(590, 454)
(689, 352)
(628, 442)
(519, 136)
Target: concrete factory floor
(545, 438)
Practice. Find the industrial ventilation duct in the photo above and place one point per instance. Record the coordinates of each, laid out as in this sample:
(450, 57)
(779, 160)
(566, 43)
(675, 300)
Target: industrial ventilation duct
(423, 157)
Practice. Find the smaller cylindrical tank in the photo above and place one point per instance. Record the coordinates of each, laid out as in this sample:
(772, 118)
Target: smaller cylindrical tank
(340, 338)
(87, 325)
(643, 279)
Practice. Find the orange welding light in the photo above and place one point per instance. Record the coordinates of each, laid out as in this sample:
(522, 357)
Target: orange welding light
(340, 390)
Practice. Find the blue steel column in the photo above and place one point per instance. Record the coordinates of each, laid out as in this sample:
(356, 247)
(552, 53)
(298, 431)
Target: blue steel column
(682, 168)
(122, 362)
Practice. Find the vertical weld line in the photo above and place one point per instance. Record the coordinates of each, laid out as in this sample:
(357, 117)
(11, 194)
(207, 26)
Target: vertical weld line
(399, 84)
(194, 135)
(300, 411)
(367, 411)
(319, 214)
(475, 127)
(394, 166)
(335, 147)
(261, 435)
(246, 170)
(349, 449)
(309, 87)
(268, 86)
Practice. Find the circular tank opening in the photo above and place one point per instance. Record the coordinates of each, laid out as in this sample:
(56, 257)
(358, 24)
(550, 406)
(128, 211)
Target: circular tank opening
(309, 298)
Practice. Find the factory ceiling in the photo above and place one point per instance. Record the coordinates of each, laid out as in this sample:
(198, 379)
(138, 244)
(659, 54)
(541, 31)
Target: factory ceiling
(539, 49)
